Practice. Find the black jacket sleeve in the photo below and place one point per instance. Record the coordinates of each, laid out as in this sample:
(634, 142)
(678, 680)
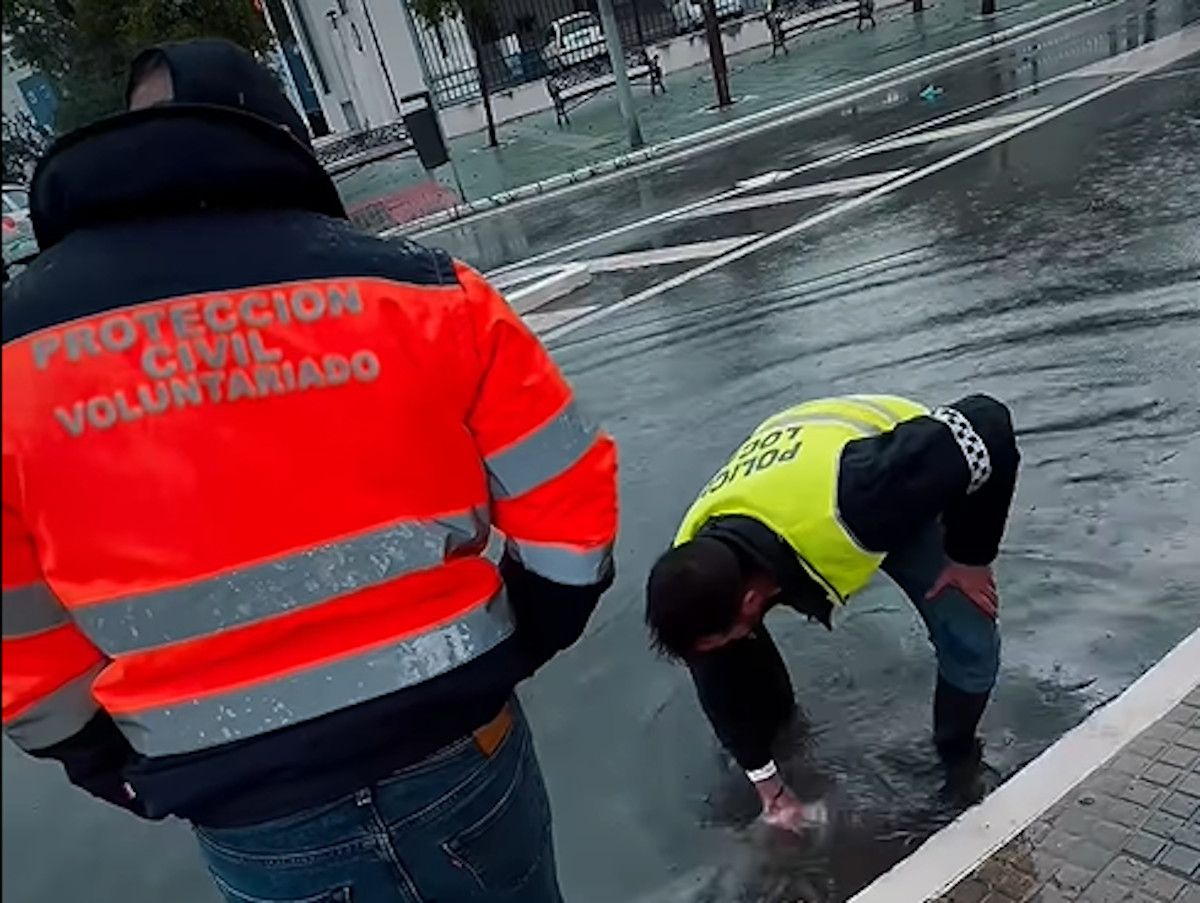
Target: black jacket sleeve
(745, 691)
(974, 522)
(95, 759)
(928, 467)
(743, 686)
(550, 616)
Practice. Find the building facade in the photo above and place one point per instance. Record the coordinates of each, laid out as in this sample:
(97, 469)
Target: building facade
(352, 61)
(27, 92)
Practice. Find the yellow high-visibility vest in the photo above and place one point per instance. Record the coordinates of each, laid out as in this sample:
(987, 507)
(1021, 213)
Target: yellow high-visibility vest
(786, 476)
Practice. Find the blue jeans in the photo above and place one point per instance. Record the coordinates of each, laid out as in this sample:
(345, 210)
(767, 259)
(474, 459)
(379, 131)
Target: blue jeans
(966, 641)
(459, 826)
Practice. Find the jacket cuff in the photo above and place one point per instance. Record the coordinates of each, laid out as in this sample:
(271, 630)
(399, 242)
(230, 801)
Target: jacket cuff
(550, 616)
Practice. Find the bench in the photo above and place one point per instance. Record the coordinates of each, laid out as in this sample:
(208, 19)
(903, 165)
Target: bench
(788, 17)
(574, 84)
(341, 153)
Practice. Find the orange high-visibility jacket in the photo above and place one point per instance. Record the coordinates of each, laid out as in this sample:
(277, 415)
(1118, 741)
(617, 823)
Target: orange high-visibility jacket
(231, 512)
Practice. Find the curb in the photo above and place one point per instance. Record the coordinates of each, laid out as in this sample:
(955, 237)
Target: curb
(955, 851)
(739, 128)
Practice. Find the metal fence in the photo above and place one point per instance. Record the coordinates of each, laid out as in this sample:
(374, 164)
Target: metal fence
(524, 40)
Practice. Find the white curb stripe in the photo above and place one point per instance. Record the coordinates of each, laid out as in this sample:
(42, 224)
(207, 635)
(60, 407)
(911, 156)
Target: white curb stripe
(960, 847)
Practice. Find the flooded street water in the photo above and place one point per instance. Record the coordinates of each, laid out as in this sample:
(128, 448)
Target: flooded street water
(1058, 270)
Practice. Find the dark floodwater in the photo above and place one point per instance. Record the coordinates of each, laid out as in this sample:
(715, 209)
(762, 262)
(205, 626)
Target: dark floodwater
(1061, 272)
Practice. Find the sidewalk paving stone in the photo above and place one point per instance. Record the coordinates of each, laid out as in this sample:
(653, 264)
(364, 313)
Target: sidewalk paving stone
(1129, 833)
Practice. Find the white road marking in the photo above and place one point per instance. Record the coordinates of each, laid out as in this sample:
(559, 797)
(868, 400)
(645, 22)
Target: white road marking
(550, 288)
(1188, 44)
(762, 180)
(636, 260)
(792, 111)
(517, 277)
(548, 319)
(952, 853)
(837, 157)
(831, 188)
(989, 124)
(557, 280)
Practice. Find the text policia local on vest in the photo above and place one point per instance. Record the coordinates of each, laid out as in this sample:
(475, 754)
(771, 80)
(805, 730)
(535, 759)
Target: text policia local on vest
(205, 350)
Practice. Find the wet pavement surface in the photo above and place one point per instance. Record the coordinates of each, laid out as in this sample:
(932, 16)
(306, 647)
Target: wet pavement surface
(536, 147)
(1129, 833)
(1058, 269)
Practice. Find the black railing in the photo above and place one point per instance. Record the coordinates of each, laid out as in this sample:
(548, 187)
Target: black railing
(525, 40)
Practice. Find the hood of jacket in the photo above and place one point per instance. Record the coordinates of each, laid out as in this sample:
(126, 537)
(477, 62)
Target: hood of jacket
(228, 140)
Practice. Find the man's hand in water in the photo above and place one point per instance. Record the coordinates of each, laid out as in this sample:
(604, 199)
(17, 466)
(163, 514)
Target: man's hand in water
(976, 582)
(781, 808)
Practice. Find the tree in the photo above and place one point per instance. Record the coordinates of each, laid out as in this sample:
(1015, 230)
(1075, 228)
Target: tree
(477, 18)
(24, 142)
(84, 46)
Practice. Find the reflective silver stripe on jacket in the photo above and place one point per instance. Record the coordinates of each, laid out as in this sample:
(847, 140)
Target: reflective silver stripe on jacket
(563, 564)
(541, 456)
(57, 716)
(973, 448)
(252, 594)
(871, 404)
(325, 688)
(860, 426)
(31, 609)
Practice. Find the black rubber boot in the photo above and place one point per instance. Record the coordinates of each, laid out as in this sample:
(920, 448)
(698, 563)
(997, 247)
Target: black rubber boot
(956, 715)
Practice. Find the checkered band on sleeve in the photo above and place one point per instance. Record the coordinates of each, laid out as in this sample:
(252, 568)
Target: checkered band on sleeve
(973, 448)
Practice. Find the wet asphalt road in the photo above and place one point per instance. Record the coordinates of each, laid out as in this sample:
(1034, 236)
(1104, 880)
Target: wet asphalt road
(1058, 270)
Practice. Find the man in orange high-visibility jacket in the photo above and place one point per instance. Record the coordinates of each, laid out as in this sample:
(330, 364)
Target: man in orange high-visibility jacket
(251, 461)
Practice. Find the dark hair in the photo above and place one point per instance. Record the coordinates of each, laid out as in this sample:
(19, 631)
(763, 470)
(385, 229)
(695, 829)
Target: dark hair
(693, 591)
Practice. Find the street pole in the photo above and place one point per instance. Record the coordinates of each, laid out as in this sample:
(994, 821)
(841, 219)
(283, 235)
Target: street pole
(716, 53)
(616, 55)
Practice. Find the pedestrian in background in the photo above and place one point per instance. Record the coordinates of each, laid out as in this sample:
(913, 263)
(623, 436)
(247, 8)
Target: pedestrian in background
(251, 462)
(866, 13)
